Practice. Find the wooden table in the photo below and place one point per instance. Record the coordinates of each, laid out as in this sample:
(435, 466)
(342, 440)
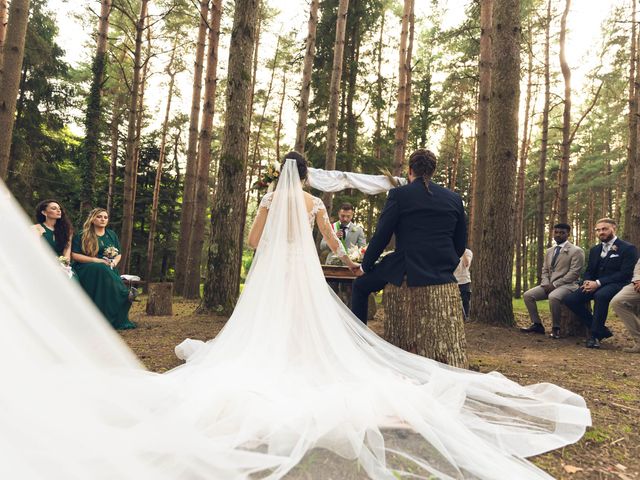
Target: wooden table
(340, 280)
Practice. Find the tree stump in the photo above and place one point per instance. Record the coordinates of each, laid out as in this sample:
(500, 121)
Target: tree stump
(428, 321)
(570, 323)
(160, 298)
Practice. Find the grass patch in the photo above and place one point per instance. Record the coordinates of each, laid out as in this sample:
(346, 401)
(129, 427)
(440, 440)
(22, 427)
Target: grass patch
(597, 435)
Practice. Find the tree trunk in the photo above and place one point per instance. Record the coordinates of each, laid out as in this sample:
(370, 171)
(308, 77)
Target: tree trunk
(377, 135)
(427, 321)
(223, 265)
(280, 111)
(482, 122)
(353, 65)
(563, 177)
(188, 195)
(153, 221)
(544, 142)
(116, 117)
(94, 111)
(130, 170)
(334, 102)
(10, 70)
(303, 108)
(519, 224)
(403, 68)
(160, 301)
(632, 233)
(632, 146)
(196, 240)
(407, 107)
(492, 291)
(4, 11)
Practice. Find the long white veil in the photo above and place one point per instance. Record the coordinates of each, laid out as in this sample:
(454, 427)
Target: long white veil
(296, 375)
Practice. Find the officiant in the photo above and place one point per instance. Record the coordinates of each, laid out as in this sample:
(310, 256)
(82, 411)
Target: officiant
(348, 232)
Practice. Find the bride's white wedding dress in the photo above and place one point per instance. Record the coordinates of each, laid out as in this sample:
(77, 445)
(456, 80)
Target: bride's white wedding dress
(294, 385)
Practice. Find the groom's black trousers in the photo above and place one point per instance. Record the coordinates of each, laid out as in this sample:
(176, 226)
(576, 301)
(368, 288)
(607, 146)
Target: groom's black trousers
(363, 287)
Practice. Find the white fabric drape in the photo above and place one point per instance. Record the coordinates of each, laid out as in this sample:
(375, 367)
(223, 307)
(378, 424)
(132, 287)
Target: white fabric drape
(335, 181)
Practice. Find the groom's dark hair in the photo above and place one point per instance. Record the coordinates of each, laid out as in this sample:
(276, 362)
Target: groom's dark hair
(301, 163)
(422, 163)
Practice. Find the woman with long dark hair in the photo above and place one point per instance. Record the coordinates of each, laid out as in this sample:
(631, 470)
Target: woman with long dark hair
(96, 254)
(54, 226)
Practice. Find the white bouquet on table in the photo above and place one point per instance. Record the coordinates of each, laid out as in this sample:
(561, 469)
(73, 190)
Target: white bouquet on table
(356, 253)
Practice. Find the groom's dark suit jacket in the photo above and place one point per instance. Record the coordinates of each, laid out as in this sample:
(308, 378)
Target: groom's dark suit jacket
(431, 235)
(616, 267)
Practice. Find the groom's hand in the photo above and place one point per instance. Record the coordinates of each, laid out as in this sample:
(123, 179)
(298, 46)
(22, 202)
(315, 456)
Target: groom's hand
(356, 270)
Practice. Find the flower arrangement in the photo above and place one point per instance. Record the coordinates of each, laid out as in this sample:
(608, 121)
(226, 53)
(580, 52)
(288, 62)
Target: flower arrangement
(110, 253)
(64, 261)
(270, 174)
(356, 253)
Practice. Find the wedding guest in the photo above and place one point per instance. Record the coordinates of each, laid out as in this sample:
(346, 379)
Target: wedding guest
(96, 254)
(54, 227)
(560, 272)
(609, 268)
(348, 232)
(463, 277)
(626, 304)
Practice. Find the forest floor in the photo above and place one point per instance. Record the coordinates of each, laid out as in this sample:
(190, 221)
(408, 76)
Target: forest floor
(608, 379)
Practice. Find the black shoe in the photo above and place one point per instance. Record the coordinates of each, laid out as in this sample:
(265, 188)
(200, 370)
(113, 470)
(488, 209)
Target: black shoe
(593, 342)
(555, 333)
(533, 328)
(133, 294)
(605, 334)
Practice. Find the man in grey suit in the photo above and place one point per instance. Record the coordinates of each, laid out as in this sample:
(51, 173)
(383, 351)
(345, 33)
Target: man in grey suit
(348, 232)
(560, 272)
(626, 304)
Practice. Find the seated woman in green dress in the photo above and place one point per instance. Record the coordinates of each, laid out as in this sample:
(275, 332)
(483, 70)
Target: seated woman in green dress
(54, 227)
(96, 253)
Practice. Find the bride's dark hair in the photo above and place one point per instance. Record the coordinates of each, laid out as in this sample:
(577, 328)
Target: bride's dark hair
(301, 163)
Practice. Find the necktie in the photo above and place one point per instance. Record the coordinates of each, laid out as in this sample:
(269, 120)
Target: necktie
(555, 256)
(605, 250)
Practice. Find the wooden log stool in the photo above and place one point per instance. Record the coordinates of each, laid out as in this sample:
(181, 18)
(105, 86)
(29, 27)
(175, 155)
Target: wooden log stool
(160, 298)
(428, 321)
(570, 323)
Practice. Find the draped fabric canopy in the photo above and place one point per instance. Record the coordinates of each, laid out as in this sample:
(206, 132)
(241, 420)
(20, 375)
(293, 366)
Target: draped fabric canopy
(335, 181)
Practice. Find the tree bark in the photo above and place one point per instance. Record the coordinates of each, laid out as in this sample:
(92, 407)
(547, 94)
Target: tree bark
(130, 170)
(492, 291)
(334, 102)
(188, 195)
(377, 135)
(160, 301)
(563, 177)
(633, 197)
(403, 68)
(116, 117)
(10, 70)
(4, 11)
(303, 108)
(223, 264)
(544, 143)
(353, 62)
(196, 240)
(94, 111)
(427, 321)
(280, 111)
(153, 221)
(632, 145)
(407, 108)
(484, 92)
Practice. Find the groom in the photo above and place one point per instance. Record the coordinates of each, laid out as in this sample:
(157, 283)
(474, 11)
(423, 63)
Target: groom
(431, 234)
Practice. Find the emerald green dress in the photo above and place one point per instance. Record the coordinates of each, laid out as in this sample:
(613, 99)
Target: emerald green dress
(50, 238)
(103, 284)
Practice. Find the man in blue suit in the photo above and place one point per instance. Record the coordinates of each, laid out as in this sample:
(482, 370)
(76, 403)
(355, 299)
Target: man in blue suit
(431, 235)
(609, 269)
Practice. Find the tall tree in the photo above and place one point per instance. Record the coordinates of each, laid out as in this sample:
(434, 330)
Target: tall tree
(544, 145)
(94, 110)
(130, 171)
(153, 220)
(4, 11)
(403, 69)
(188, 195)
(196, 240)
(633, 197)
(334, 102)
(305, 90)
(407, 106)
(10, 70)
(222, 282)
(632, 143)
(492, 295)
(482, 121)
(563, 176)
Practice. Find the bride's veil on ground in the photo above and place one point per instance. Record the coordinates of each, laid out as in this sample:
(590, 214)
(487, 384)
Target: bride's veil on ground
(295, 374)
(293, 386)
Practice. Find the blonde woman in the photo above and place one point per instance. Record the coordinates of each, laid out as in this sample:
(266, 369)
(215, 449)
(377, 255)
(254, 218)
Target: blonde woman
(96, 254)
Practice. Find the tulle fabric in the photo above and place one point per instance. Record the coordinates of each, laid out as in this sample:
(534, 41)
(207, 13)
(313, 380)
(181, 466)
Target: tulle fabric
(296, 376)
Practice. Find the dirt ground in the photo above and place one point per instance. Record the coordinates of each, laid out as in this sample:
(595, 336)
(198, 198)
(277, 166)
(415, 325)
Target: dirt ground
(609, 379)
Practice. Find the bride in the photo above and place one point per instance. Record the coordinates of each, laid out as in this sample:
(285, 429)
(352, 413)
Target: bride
(294, 385)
